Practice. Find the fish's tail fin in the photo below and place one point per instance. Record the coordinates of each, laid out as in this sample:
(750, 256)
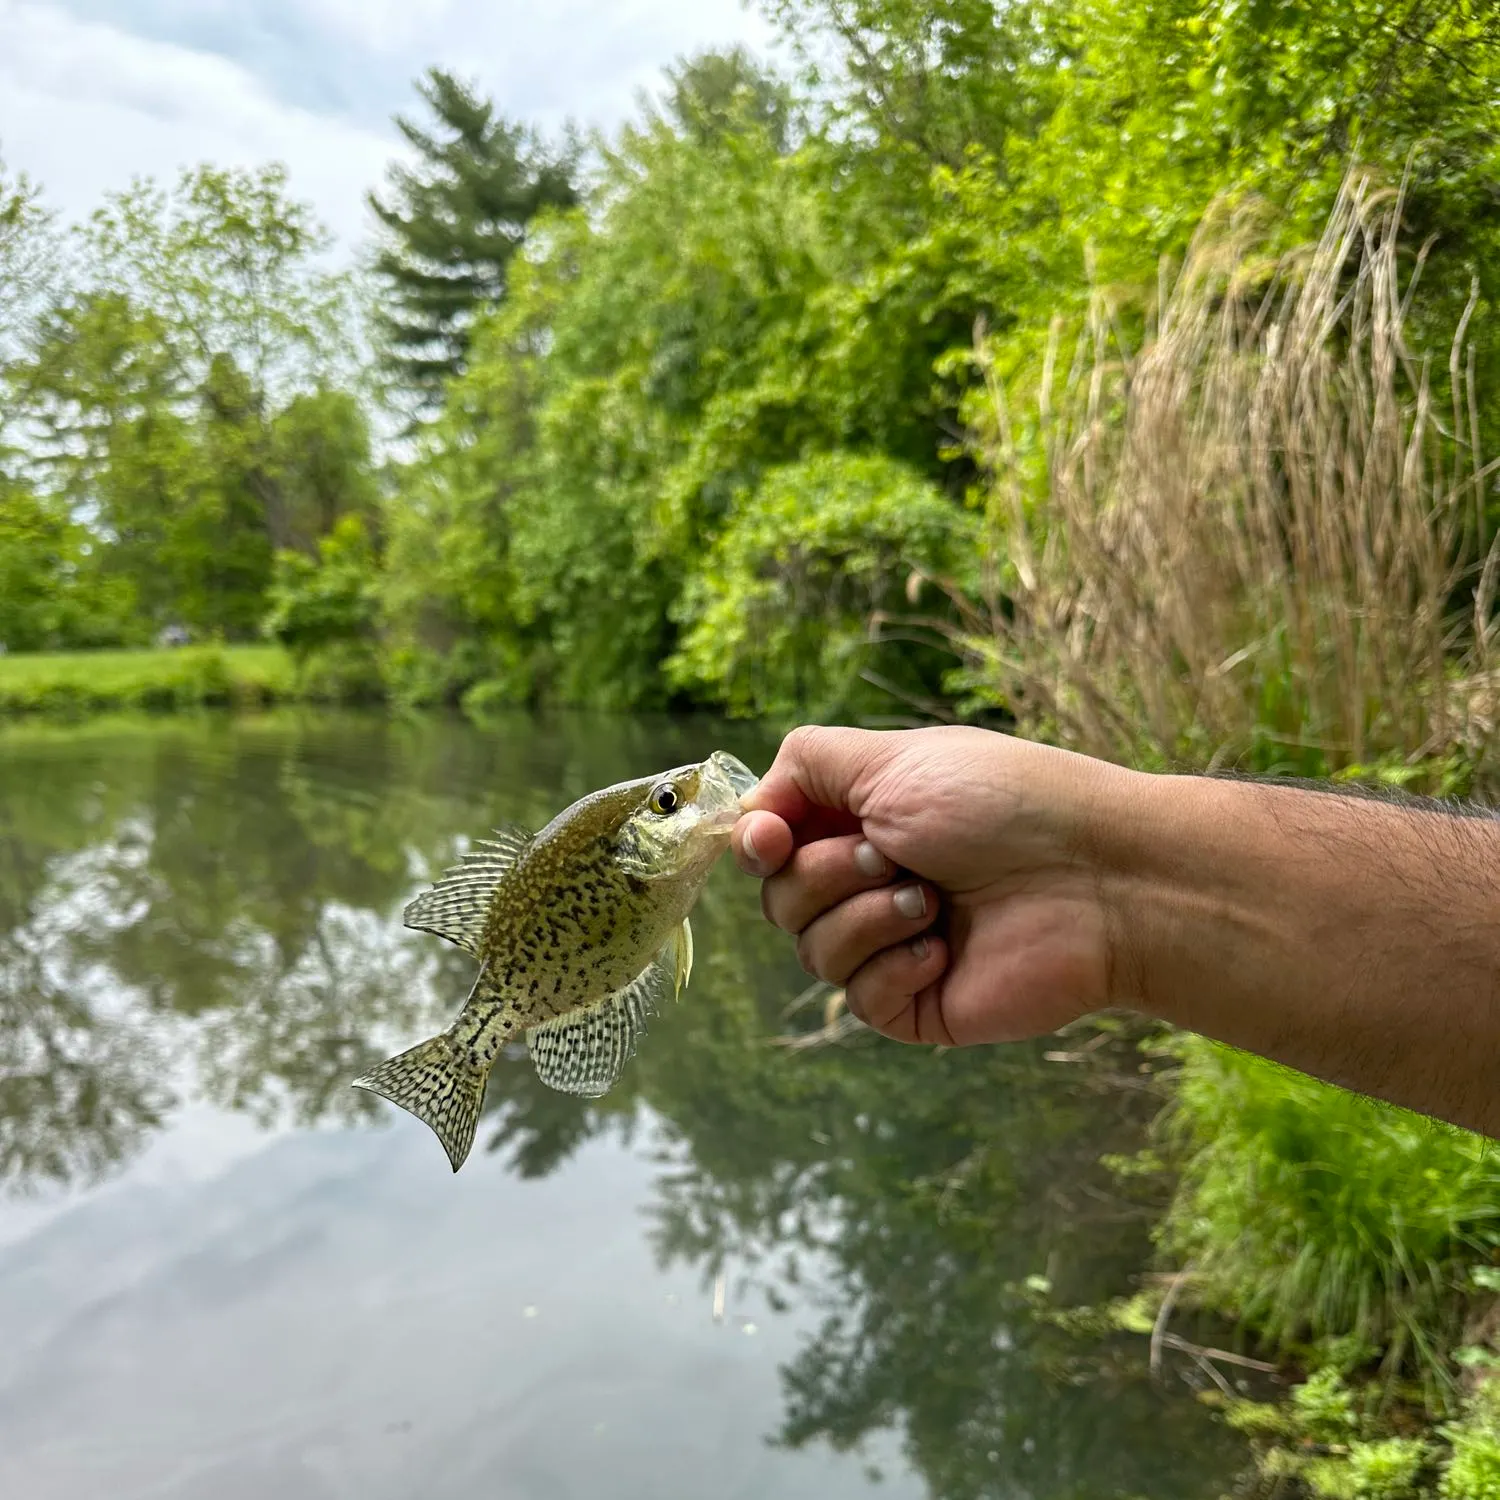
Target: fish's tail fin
(439, 1082)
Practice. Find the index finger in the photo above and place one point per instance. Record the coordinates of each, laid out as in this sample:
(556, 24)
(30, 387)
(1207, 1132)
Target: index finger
(819, 779)
(762, 843)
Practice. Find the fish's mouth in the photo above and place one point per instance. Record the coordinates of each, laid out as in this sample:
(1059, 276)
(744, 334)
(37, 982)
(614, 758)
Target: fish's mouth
(726, 781)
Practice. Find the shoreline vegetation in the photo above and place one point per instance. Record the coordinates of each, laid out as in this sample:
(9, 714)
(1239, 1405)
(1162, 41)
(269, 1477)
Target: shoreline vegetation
(166, 679)
(1152, 420)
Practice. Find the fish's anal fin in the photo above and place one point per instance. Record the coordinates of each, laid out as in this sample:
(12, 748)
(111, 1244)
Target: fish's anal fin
(682, 955)
(458, 905)
(585, 1051)
(440, 1084)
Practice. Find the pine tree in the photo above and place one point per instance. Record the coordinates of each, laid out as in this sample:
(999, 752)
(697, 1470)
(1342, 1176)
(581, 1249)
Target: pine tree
(453, 222)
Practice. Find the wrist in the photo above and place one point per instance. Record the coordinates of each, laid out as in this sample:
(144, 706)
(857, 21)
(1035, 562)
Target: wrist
(1353, 939)
(1188, 892)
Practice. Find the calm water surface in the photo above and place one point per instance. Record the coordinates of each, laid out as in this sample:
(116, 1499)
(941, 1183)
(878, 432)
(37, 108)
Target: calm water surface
(225, 1273)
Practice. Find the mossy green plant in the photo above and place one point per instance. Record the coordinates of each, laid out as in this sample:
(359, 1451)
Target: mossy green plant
(1386, 1469)
(1473, 1473)
(1310, 1214)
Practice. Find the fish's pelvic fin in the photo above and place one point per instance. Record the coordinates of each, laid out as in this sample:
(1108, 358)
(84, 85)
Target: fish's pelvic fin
(458, 905)
(441, 1083)
(585, 1051)
(682, 956)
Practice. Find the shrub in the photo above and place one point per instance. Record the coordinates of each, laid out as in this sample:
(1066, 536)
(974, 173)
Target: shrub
(1263, 539)
(1386, 1469)
(779, 619)
(1316, 1214)
(1474, 1471)
(330, 601)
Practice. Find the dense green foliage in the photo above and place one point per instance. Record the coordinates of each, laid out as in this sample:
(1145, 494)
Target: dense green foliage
(181, 404)
(741, 364)
(747, 290)
(1287, 1211)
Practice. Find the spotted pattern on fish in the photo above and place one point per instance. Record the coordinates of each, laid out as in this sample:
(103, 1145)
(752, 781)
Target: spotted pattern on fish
(438, 1083)
(581, 932)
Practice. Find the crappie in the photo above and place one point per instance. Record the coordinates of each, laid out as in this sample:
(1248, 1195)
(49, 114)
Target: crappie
(581, 931)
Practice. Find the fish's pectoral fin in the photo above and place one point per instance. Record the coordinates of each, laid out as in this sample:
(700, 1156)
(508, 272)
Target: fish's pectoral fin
(441, 1084)
(682, 956)
(585, 1051)
(458, 905)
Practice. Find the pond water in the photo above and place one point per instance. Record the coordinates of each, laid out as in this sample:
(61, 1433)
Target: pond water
(752, 1270)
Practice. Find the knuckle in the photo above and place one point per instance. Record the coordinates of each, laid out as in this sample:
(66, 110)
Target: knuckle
(773, 905)
(856, 1000)
(781, 902)
(807, 956)
(803, 738)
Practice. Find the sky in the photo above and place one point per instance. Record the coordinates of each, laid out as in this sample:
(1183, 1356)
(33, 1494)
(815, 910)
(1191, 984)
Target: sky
(95, 92)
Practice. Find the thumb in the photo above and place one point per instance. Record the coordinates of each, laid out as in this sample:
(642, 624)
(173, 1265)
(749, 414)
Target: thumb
(823, 770)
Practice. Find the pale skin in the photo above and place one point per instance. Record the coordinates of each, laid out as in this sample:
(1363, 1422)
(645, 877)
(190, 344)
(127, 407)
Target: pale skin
(964, 886)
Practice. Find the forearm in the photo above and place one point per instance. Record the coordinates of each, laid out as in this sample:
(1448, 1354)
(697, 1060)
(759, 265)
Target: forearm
(1352, 938)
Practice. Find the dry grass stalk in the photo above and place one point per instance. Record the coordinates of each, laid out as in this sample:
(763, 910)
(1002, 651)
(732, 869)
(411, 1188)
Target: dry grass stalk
(1261, 540)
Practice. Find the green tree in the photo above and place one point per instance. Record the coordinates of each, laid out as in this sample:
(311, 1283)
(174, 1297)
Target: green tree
(722, 91)
(323, 465)
(710, 318)
(28, 258)
(325, 612)
(39, 556)
(183, 403)
(113, 440)
(926, 81)
(453, 222)
(230, 267)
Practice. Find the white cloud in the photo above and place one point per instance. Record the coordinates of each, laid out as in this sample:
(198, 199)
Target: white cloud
(384, 25)
(84, 107)
(589, 58)
(93, 93)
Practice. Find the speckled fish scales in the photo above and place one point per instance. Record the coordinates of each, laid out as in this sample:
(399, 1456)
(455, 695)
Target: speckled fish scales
(581, 932)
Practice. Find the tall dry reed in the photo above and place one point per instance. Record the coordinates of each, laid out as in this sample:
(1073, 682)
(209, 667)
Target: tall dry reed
(1262, 538)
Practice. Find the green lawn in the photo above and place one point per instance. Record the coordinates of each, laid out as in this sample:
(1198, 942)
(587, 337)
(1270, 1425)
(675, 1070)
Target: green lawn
(187, 677)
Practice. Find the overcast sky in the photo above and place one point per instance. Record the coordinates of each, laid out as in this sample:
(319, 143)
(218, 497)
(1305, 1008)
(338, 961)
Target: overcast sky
(93, 92)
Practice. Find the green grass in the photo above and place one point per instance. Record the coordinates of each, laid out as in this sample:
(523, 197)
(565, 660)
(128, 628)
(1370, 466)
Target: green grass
(1323, 1220)
(188, 677)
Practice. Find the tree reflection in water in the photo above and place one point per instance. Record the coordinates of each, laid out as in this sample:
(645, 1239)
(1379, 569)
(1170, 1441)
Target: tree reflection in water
(210, 910)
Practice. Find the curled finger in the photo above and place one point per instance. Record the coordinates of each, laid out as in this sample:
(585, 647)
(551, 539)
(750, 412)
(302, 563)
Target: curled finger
(896, 992)
(821, 875)
(843, 939)
(762, 843)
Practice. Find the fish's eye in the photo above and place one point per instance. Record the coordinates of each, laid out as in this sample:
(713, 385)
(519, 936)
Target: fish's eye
(664, 799)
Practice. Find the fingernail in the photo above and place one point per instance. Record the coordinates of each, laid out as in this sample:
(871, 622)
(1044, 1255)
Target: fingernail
(911, 902)
(919, 948)
(869, 860)
(747, 844)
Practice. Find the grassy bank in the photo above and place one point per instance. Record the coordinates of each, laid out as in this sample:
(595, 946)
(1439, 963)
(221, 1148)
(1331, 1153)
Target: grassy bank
(1357, 1245)
(188, 677)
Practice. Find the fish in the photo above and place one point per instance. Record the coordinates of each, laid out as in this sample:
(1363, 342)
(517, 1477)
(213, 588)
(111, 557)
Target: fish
(581, 932)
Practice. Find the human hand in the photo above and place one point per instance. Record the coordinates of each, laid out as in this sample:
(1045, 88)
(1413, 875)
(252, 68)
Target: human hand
(1005, 933)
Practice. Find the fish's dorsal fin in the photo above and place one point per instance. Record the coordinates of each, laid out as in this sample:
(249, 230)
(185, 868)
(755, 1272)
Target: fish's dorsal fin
(457, 907)
(585, 1051)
